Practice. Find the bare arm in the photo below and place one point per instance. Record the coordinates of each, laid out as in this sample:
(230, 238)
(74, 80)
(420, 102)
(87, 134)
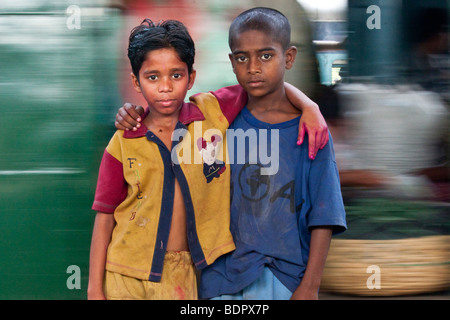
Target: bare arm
(320, 243)
(311, 122)
(101, 236)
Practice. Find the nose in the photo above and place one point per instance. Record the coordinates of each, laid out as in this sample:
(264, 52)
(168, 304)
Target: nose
(254, 66)
(165, 85)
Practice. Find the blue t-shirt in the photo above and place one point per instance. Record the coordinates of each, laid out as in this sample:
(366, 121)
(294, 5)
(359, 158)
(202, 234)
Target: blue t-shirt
(272, 211)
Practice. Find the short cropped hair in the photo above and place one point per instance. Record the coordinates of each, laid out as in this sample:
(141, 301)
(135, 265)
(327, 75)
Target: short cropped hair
(266, 20)
(149, 36)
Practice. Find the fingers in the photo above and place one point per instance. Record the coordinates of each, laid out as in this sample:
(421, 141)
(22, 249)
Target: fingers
(313, 147)
(140, 110)
(120, 127)
(128, 117)
(301, 135)
(317, 139)
(134, 111)
(125, 121)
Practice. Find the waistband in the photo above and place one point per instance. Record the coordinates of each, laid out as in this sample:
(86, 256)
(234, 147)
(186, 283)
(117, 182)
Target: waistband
(178, 257)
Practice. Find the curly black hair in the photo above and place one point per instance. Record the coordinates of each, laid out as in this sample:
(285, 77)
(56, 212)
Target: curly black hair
(149, 36)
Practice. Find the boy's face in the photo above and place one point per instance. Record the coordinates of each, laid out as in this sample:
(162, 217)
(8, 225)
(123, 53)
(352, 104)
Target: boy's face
(259, 62)
(163, 81)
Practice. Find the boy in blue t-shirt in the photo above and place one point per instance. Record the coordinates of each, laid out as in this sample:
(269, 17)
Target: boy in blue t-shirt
(283, 216)
(282, 219)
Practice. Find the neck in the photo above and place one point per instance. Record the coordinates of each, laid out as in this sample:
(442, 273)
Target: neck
(161, 121)
(273, 100)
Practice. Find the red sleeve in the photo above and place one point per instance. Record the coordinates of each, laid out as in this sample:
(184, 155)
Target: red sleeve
(232, 100)
(111, 185)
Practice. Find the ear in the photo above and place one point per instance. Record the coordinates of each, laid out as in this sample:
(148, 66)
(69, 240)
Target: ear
(135, 83)
(290, 55)
(230, 56)
(192, 79)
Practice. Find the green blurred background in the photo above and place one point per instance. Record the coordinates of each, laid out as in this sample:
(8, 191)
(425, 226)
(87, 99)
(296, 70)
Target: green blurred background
(57, 87)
